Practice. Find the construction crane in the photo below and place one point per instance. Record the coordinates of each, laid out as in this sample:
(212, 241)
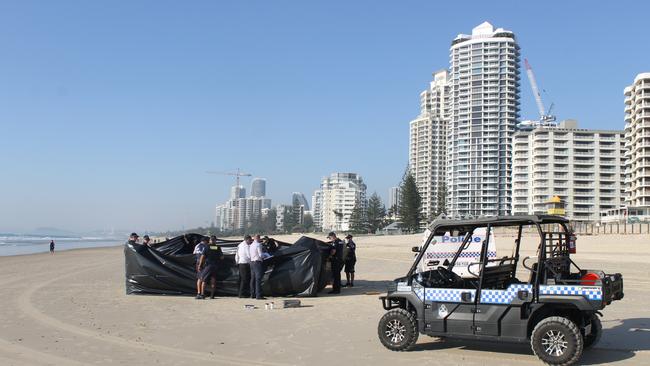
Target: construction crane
(545, 117)
(237, 174)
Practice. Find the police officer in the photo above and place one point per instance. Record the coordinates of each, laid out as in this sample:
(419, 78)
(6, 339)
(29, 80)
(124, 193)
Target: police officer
(336, 260)
(350, 261)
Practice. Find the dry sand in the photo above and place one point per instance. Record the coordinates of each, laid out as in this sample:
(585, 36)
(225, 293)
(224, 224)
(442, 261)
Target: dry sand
(71, 309)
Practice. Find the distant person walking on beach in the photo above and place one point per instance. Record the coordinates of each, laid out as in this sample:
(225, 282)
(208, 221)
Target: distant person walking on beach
(200, 252)
(350, 261)
(336, 261)
(257, 269)
(243, 260)
(51, 246)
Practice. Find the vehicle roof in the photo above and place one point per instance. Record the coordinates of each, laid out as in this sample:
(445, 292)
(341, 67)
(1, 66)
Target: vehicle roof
(497, 220)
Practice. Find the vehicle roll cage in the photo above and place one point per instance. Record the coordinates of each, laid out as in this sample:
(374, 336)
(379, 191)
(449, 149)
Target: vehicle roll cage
(550, 245)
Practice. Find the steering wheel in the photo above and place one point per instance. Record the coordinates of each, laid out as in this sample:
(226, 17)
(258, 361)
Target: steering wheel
(448, 276)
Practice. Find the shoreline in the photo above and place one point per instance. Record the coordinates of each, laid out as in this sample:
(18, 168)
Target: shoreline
(59, 250)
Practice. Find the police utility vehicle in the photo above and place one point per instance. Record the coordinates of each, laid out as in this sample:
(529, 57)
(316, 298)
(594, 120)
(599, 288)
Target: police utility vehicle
(457, 287)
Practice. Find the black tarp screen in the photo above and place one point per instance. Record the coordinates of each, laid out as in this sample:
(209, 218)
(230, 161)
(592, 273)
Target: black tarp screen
(167, 268)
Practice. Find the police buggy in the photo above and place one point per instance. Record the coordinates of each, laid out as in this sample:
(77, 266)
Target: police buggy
(457, 287)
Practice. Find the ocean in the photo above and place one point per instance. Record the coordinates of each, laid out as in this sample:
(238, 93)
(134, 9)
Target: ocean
(16, 245)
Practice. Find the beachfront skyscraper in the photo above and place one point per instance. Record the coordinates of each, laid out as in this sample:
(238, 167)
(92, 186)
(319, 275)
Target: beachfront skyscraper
(258, 187)
(484, 109)
(334, 202)
(637, 135)
(428, 145)
(582, 167)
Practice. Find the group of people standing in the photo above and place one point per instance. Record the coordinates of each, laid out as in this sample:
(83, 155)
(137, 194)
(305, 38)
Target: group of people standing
(342, 257)
(249, 258)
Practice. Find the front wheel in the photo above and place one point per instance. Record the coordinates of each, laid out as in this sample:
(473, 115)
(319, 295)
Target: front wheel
(557, 341)
(398, 330)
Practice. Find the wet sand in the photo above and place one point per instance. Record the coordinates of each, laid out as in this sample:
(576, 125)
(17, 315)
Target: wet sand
(71, 309)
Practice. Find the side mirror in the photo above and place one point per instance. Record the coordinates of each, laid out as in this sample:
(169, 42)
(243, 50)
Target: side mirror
(415, 249)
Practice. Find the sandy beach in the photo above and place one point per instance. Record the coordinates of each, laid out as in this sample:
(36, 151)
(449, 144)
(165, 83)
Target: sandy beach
(71, 309)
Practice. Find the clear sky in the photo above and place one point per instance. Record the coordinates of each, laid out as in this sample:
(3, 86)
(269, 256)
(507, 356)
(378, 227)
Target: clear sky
(111, 112)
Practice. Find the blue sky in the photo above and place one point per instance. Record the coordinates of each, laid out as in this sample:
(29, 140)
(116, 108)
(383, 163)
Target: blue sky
(111, 112)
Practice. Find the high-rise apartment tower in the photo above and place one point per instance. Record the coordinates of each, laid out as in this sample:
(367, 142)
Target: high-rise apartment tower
(484, 109)
(428, 145)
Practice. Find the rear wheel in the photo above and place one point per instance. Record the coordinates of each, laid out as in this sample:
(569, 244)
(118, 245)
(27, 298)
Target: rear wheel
(557, 341)
(398, 330)
(596, 332)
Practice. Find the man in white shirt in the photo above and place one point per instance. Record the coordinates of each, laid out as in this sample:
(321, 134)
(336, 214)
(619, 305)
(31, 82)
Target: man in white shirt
(257, 270)
(243, 260)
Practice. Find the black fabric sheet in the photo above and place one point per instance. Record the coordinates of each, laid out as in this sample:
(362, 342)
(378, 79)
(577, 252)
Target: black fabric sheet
(168, 268)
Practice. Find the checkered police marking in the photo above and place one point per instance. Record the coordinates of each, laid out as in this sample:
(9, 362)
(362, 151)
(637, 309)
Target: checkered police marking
(443, 294)
(437, 255)
(505, 296)
(590, 292)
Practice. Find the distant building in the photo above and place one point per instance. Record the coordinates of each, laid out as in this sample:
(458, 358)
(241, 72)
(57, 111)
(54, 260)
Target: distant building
(258, 187)
(582, 167)
(428, 145)
(240, 211)
(637, 134)
(280, 212)
(334, 202)
(484, 109)
(237, 192)
(317, 210)
(302, 200)
(394, 197)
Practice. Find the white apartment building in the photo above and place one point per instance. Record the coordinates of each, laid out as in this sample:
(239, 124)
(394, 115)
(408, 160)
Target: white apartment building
(583, 167)
(428, 145)
(317, 209)
(637, 134)
(484, 109)
(334, 202)
(238, 213)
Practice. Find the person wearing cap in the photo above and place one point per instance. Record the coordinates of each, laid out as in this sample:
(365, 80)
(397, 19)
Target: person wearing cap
(269, 245)
(243, 260)
(350, 261)
(133, 238)
(200, 251)
(336, 261)
(146, 241)
(210, 259)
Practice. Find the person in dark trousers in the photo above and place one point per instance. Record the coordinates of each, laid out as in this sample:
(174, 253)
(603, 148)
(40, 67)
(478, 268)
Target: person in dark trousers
(200, 253)
(350, 261)
(257, 269)
(243, 260)
(336, 260)
(51, 246)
